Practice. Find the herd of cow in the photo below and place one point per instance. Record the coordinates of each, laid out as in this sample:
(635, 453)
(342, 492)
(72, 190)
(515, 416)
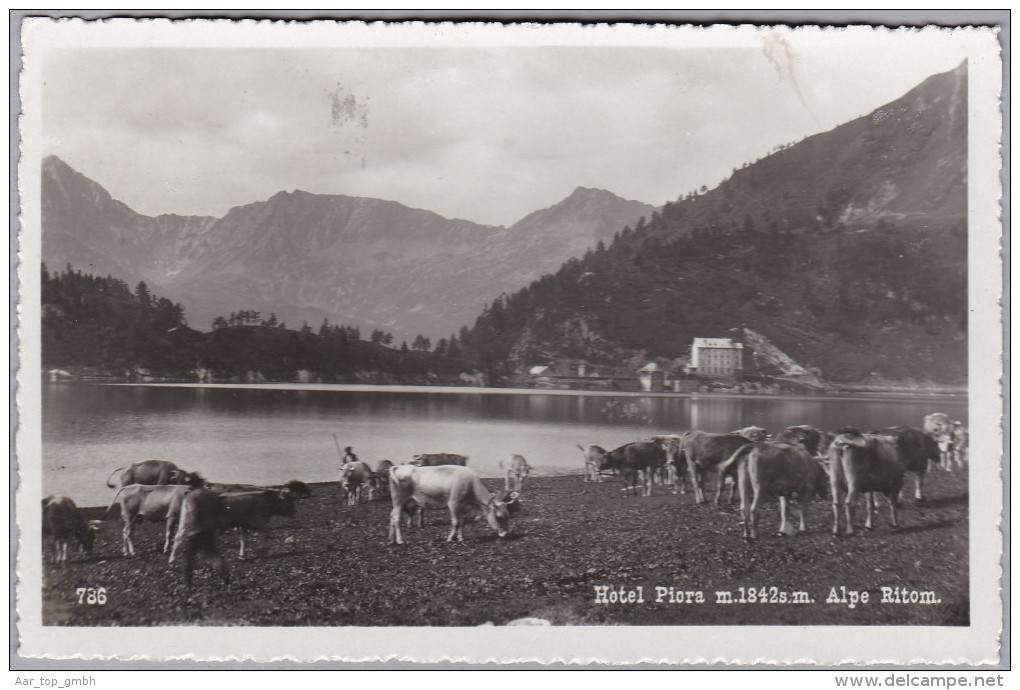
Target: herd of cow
(798, 464)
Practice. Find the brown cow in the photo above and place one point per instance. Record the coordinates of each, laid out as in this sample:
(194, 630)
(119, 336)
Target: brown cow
(294, 489)
(802, 434)
(62, 521)
(154, 472)
(631, 459)
(863, 464)
(781, 469)
(379, 482)
(916, 450)
(354, 477)
(434, 459)
(704, 452)
(201, 514)
(204, 512)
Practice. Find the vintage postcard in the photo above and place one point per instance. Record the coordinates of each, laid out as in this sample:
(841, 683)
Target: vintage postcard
(494, 342)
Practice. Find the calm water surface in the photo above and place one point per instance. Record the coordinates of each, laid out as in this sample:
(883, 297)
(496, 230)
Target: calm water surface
(267, 435)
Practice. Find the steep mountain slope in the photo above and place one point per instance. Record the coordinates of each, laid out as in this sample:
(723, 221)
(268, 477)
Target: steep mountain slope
(311, 256)
(846, 250)
(86, 227)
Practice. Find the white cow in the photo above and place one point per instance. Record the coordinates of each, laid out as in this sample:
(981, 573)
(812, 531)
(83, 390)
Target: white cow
(454, 487)
(516, 469)
(160, 503)
(939, 426)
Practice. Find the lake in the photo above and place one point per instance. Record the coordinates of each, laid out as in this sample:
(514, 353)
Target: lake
(270, 433)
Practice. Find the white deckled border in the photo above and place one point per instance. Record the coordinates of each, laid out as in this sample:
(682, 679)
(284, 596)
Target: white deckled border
(824, 645)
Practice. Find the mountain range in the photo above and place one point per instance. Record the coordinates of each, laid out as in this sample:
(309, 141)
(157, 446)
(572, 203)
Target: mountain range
(309, 257)
(847, 250)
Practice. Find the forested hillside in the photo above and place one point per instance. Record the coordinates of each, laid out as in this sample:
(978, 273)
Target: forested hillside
(313, 256)
(848, 250)
(101, 327)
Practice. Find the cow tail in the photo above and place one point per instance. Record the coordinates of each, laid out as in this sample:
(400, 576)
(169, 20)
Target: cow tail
(728, 467)
(111, 476)
(113, 503)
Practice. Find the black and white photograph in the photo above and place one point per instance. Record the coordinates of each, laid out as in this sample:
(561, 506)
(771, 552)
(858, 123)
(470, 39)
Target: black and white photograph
(546, 341)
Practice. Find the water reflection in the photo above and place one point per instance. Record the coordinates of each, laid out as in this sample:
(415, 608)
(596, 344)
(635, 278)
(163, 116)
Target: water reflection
(271, 435)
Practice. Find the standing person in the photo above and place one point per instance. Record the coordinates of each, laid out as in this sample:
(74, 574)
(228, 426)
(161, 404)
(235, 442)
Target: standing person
(348, 456)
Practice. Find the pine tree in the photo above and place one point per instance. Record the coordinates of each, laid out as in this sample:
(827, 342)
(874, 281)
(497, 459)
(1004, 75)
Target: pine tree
(142, 294)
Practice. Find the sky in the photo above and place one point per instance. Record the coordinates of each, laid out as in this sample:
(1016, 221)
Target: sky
(484, 133)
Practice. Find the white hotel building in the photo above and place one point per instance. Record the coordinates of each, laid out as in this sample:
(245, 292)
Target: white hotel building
(716, 357)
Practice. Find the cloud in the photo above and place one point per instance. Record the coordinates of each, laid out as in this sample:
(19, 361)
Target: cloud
(487, 134)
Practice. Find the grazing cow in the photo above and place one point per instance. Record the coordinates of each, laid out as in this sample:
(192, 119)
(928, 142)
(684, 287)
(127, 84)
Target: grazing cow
(703, 452)
(379, 482)
(516, 469)
(785, 470)
(633, 458)
(354, 476)
(916, 449)
(62, 521)
(593, 456)
(144, 502)
(456, 488)
(298, 489)
(204, 512)
(154, 472)
(434, 459)
(863, 464)
(674, 469)
(676, 464)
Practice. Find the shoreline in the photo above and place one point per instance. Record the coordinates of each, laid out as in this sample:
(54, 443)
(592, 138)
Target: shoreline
(867, 396)
(330, 564)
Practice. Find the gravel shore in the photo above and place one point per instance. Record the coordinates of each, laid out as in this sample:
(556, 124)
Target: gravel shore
(331, 565)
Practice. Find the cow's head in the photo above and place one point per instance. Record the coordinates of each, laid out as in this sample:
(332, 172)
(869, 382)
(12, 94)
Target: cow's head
(753, 433)
(417, 460)
(192, 479)
(300, 489)
(670, 444)
(285, 499)
(89, 537)
(848, 443)
(500, 509)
